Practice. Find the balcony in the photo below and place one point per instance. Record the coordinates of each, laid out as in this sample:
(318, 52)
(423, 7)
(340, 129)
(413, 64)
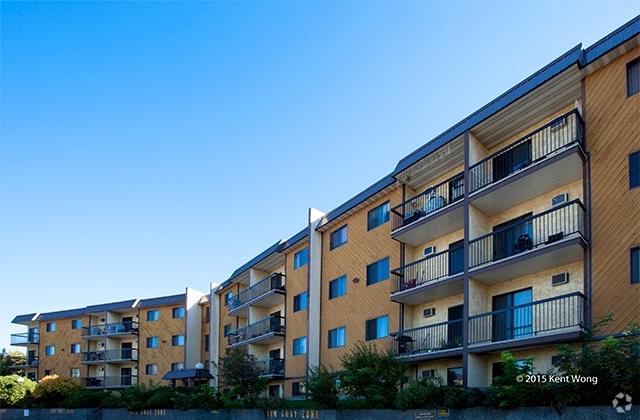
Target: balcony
(25, 339)
(30, 363)
(272, 368)
(118, 329)
(556, 319)
(267, 293)
(109, 356)
(266, 331)
(102, 382)
(431, 278)
(550, 239)
(434, 213)
(539, 162)
(429, 342)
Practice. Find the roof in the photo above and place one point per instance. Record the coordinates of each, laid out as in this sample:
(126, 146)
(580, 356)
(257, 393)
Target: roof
(61, 314)
(264, 254)
(125, 304)
(25, 318)
(188, 373)
(294, 240)
(611, 41)
(164, 300)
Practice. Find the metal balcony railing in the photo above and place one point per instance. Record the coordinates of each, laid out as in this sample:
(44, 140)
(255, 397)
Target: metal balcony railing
(273, 324)
(127, 327)
(535, 231)
(271, 367)
(429, 269)
(272, 282)
(107, 355)
(239, 299)
(432, 199)
(428, 339)
(528, 320)
(25, 338)
(237, 336)
(110, 381)
(563, 131)
(30, 362)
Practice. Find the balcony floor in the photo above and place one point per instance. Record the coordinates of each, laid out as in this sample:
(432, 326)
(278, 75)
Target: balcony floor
(536, 340)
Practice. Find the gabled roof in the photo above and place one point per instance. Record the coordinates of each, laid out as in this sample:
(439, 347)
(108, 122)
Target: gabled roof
(164, 300)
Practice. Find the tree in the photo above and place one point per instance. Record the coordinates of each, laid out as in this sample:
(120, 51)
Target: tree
(11, 391)
(14, 358)
(322, 387)
(51, 391)
(241, 372)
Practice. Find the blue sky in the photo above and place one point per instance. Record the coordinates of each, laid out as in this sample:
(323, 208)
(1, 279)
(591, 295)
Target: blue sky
(151, 146)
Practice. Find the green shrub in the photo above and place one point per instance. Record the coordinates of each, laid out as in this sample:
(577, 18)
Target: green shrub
(321, 387)
(11, 393)
(432, 393)
(241, 372)
(84, 399)
(51, 391)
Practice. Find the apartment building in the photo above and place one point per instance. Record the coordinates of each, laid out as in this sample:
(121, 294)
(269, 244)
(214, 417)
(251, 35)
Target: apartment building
(114, 345)
(513, 230)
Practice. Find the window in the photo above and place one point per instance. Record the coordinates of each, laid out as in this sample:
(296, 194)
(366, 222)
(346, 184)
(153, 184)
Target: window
(48, 372)
(454, 377)
(51, 326)
(32, 375)
(634, 170)
(635, 265)
(274, 391)
(206, 342)
(177, 340)
(151, 369)
(300, 302)
(50, 350)
(74, 373)
(76, 324)
(178, 312)
(297, 389)
(377, 328)
(227, 298)
(177, 366)
(75, 348)
(227, 329)
(516, 320)
(153, 315)
(378, 216)
(300, 346)
(152, 342)
(338, 237)
(338, 287)
(207, 315)
(337, 337)
(633, 77)
(300, 258)
(378, 271)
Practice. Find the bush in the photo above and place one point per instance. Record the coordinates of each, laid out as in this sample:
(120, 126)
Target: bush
(432, 393)
(51, 391)
(508, 392)
(84, 399)
(10, 391)
(241, 372)
(321, 387)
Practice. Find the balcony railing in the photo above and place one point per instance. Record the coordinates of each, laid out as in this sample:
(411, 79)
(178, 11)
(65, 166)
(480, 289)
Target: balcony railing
(25, 338)
(528, 320)
(432, 199)
(30, 362)
(428, 339)
(127, 327)
(239, 299)
(428, 270)
(237, 336)
(273, 324)
(110, 381)
(272, 282)
(109, 355)
(271, 367)
(559, 133)
(530, 233)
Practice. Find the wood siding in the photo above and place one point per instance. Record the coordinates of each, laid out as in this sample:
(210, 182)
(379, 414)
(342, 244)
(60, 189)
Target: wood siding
(62, 338)
(165, 354)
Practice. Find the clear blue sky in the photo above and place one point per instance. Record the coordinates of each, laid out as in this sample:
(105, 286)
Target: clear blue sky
(146, 147)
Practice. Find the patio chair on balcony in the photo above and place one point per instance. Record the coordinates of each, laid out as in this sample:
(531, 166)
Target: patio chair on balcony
(525, 243)
(405, 344)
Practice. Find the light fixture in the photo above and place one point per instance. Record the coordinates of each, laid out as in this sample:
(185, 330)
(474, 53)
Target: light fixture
(355, 279)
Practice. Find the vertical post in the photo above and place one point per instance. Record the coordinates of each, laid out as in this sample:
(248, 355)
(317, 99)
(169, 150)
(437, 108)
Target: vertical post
(465, 258)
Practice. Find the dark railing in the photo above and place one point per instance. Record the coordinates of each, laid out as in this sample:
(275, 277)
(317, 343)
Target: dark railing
(272, 282)
(271, 367)
(559, 133)
(432, 199)
(528, 320)
(127, 327)
(238, 336)
(429, 269)
(29, 362)
(107, 355)
(25, 338)
(110, 381)
(273, 324)
(427, 339)
(542, 229)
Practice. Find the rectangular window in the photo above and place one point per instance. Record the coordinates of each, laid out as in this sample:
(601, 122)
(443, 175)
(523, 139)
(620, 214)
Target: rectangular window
(76, 324)
(48, 372)
(32, 375)
(74, 373)
(338, 237)
(633, 77)
(206, 342)
(51, 326)
(177, 340)
(227, 298)
(338, 287)
(296, 389)
(378, 216)
(152, 342)
(514, 317)
(207, 315)
(454, 377)
(337, 337)
(634, 170)
(635, 265)
(300, 258)
(153, 315)
(300, 302)
(300, 346)
(178, 312)
(227, 329)
(151, 369)
(50, 350)
(75, 348)
(378, 271)
(177, 366)
(377, 328)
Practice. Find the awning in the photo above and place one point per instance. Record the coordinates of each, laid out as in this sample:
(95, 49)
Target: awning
(188, 373)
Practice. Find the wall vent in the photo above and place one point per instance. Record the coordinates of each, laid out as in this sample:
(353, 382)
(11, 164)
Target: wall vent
(560, 279)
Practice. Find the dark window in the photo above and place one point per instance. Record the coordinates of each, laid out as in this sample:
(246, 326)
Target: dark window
(635, 265)
(152, 315)
(75, 348)
(338, 237)
(177, 340)
(378, 271)
(633, 77)
(152, 342)
(51, 326)
(48, 372)
(454, 377)
(207, 314)
(227, 329)
(177, 366)
(206, 342)
(338, 287)
(456, 258)
(634, 169)
(300, 258)
(76, 324)
(512, 237)
(274, 391)
(300, 346)
(300, 302)
(178, 312)
(377, 328)
(506, 163)
(151, 369)
(512, 322)
(378, 216)
(295, 389)
(337, 337)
